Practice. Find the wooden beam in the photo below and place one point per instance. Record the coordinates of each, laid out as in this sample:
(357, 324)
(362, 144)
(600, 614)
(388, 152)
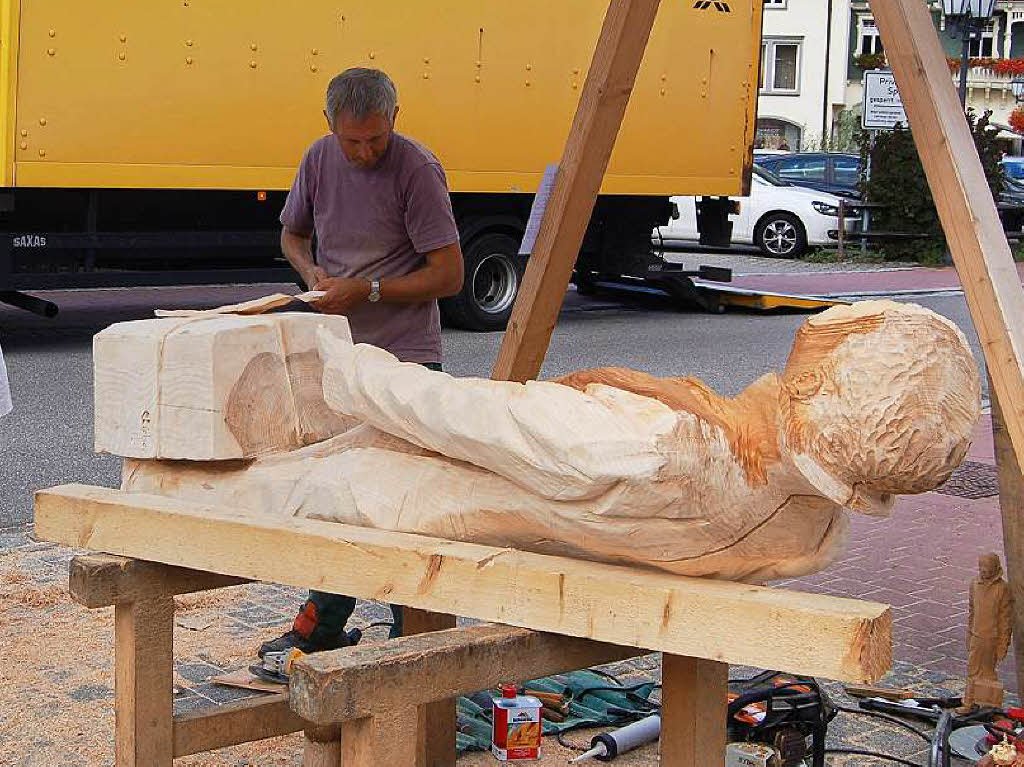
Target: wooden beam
(374, 741)
(693, 725)
(620, 49)
(143, 682)
(267, 716)
(962, 197)
(322, 747)
(435, 728)
(811, 634)
(370, 681)
(1011, 505)
(100, 580)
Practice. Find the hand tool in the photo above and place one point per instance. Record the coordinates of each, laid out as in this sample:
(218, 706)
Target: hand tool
(608, 745)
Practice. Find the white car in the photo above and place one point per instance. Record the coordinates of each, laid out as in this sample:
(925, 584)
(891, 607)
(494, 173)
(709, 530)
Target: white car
(781, 219)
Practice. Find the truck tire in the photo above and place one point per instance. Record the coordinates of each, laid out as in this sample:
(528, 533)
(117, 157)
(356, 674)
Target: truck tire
(494, 272)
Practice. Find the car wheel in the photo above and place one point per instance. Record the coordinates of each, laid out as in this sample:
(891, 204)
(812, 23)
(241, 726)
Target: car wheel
(494, 271)
(781, 235)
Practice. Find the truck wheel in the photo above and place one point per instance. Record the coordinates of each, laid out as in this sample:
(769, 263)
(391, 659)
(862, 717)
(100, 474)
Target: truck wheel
(494, 271)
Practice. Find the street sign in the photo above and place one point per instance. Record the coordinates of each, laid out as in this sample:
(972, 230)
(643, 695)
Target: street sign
(883, 107)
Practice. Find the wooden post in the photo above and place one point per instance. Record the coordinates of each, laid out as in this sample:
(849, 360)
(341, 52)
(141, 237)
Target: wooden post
(374, 741)
(435, 722)
(620, 49)
(693, 700)
(1011, 505)
(143, 682)
(963, 199)
(321, 747)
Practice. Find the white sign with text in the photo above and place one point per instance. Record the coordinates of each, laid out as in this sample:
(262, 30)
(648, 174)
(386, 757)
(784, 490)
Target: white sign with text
(883, 107)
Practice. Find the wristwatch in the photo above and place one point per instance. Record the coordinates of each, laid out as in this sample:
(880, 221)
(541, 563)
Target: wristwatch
(374, 296)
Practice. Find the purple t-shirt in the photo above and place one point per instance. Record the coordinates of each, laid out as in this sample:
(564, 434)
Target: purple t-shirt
(377, 223)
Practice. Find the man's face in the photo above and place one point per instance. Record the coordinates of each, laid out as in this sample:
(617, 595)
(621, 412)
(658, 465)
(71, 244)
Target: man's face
(364, 141)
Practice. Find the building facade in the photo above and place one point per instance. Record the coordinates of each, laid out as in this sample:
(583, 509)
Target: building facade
(813, 57)
(803, 71)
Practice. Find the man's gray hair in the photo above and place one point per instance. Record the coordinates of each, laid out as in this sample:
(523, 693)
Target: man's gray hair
(361, 92)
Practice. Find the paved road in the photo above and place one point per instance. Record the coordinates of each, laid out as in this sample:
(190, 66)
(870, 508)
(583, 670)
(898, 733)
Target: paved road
(48, 438)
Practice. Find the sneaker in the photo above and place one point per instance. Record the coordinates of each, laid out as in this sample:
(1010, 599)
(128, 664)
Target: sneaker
(295, 639)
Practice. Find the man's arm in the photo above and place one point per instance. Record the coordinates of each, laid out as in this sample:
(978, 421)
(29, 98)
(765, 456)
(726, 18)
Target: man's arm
(440, 276)
(298, 249)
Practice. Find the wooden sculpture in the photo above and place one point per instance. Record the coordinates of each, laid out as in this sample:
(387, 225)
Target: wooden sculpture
(989, 627)
(212, 386)
(877, 399)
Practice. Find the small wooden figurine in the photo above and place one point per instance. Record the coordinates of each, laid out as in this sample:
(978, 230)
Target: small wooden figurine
(988, 633)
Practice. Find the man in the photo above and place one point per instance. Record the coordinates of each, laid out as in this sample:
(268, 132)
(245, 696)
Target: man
(387, 249)
(989, 629)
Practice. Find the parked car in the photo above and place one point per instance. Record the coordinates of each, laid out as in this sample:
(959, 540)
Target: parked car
(838, 173)
(779, 218)
(1013, 168)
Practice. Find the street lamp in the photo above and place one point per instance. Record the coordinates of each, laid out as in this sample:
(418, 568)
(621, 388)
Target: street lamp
(965, 18)
(1017, 84)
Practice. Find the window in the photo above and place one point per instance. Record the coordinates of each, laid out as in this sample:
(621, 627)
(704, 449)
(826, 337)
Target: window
(778, 4)
(845, 171)
(870, 40)
(780, 66)
(981, 46)
(802, 169)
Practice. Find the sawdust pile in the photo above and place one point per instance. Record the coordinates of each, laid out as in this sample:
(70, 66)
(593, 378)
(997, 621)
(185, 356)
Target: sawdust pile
(57, 679)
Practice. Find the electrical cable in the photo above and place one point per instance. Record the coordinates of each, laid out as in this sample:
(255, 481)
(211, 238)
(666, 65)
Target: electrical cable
(890, 719)
(875, 754)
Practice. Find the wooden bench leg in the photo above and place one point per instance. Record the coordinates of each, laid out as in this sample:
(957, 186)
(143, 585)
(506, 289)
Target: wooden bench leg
(322, 747)
(436, 728)
(693, 705)
(143, 682)
(381, 741)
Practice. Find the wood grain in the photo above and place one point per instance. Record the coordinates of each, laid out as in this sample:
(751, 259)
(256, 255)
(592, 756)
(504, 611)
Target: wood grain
(620, 49)
(962, 196)
(736, 623)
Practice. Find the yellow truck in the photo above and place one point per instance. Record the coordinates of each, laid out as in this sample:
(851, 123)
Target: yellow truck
(153, 142)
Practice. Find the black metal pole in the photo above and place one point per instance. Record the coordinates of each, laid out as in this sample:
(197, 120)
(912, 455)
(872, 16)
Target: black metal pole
(965, 58)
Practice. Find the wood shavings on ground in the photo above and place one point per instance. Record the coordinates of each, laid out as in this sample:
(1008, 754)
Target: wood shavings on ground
(57, 678)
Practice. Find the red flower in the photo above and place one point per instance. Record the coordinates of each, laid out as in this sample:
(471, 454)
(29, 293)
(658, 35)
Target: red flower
(1017, 119)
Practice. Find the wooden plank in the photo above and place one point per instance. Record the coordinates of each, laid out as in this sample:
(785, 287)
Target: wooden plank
(620, 49)
(963, 199)
(374, 741)
(1011, 505)
(435, 725)
(370, 680)
(242, 721)
(693, 703)
(811, 634)
(100, 580)
(143, 683)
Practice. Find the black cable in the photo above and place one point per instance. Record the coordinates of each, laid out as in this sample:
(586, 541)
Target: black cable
(369, 626)
(890, 719)
(875, 754)
(560, 737)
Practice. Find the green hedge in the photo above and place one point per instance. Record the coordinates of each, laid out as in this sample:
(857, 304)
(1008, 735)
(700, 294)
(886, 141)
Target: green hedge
(898, 181)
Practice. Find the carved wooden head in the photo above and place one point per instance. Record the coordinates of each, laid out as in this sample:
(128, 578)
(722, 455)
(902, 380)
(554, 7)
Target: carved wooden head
(879, 398)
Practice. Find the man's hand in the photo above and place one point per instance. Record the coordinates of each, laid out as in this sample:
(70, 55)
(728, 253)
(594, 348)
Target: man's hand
(343, 293)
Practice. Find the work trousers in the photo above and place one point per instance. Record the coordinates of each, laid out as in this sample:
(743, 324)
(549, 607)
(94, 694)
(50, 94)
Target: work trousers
(334, 610)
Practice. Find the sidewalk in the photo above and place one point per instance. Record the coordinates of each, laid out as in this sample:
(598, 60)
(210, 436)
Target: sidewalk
(857, 282)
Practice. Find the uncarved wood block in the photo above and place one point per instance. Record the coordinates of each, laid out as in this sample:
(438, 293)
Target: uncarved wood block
(212, 387)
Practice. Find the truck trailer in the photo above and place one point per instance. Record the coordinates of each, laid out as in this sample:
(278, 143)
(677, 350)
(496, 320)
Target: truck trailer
(153, 143)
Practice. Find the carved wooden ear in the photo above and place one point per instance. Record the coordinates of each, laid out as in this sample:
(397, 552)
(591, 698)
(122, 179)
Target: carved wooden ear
(804, 385)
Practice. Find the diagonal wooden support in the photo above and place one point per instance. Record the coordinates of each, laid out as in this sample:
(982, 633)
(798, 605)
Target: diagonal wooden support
(610, 79)
(962, 197)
